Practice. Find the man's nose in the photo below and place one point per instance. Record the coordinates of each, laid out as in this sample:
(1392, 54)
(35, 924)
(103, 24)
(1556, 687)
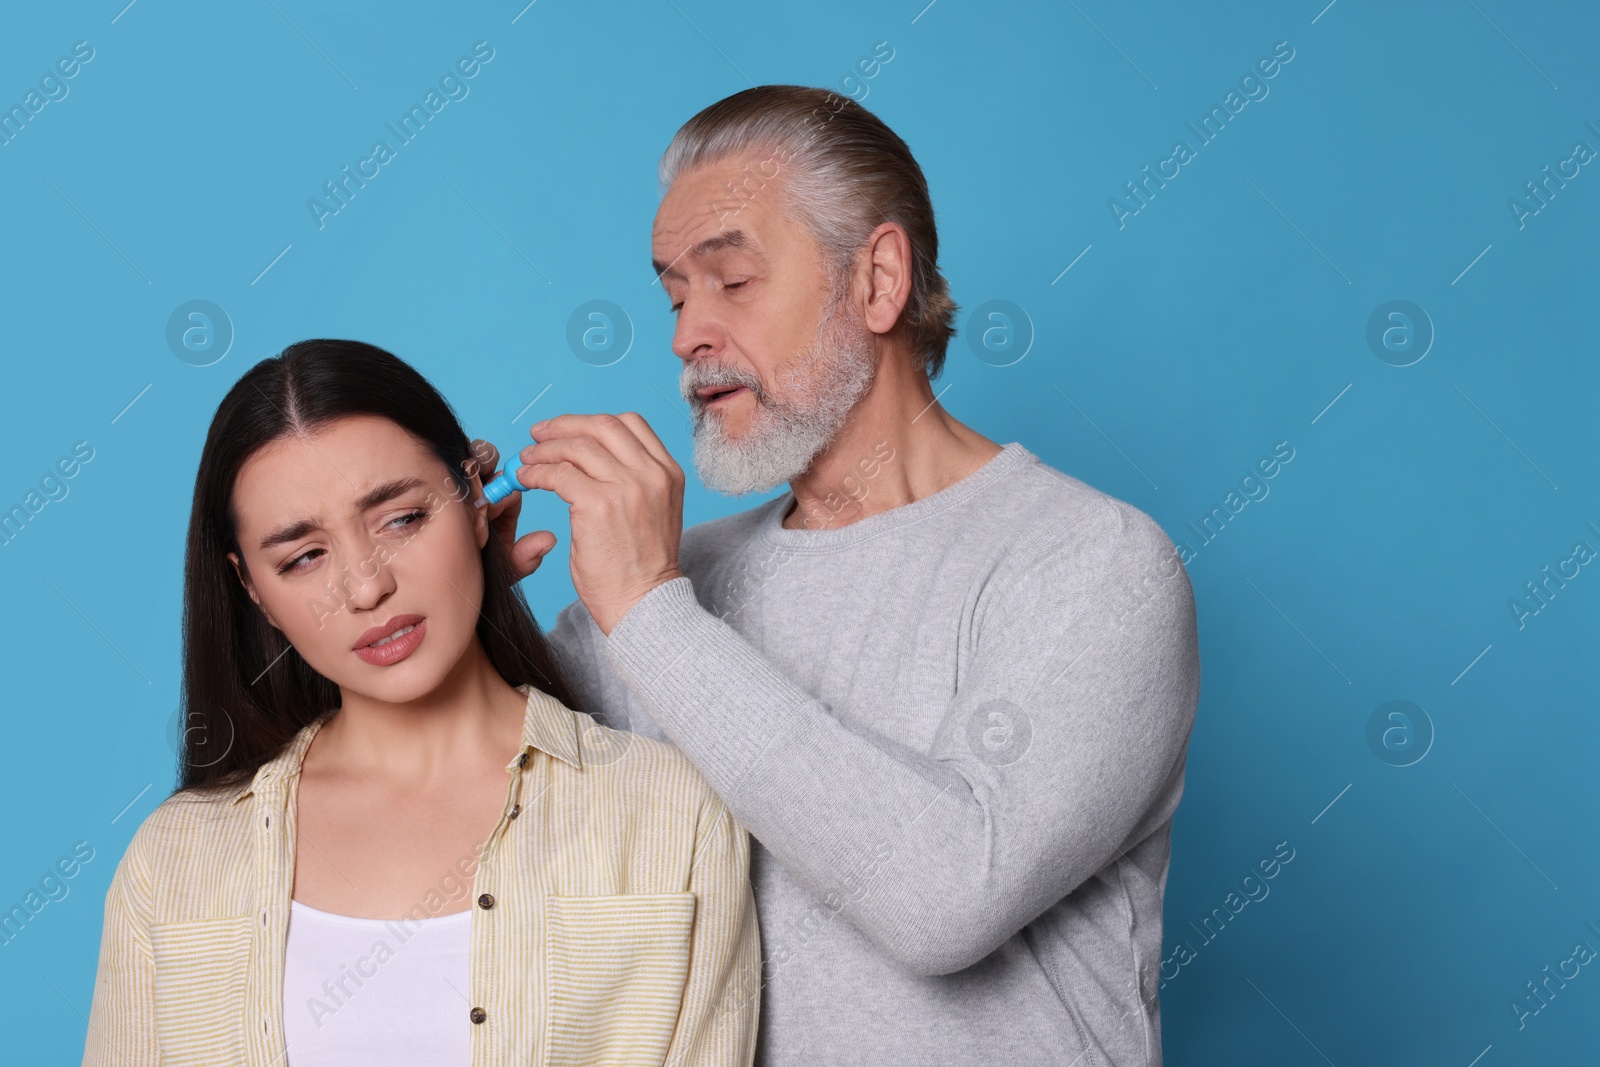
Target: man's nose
(698, 333)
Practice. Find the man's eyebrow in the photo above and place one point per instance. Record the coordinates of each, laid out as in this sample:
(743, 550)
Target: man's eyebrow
(715, 243)
(381, 494)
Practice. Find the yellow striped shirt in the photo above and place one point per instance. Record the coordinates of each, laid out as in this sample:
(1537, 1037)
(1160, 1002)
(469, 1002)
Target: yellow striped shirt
(612, 918)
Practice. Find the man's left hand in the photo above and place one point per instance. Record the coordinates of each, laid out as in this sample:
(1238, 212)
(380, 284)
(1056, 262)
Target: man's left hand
(625, 492)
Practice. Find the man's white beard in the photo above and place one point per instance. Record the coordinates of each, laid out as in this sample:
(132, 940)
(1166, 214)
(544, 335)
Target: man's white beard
(815, 395)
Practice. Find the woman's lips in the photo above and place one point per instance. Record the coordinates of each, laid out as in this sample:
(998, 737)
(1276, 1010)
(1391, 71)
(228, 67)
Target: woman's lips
(396, 649)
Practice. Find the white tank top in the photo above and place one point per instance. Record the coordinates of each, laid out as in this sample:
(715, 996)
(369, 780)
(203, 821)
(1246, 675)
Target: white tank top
(376, 992)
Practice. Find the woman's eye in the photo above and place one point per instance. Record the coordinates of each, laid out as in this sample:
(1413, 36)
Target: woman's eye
(735, 285)
(403, 522)
(292, 564)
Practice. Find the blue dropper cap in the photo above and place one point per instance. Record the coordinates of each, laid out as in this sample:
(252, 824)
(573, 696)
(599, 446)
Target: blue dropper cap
(499, 487)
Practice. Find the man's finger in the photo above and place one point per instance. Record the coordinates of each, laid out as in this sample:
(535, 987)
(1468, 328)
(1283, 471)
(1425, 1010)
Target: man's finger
(613, 434)
(647, 437)
(566, 480)
(591, 458)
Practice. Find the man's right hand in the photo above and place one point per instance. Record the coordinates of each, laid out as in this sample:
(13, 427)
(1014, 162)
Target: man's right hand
(526, 554)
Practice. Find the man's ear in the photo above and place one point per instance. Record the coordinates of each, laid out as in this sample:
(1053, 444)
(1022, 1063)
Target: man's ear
(887, 267)
(244, 580)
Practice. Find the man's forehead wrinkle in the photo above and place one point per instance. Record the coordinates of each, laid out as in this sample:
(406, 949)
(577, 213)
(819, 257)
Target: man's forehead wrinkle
(683, 250)
(695, 228)
(723, 237)
(673, 238)
(674, 206)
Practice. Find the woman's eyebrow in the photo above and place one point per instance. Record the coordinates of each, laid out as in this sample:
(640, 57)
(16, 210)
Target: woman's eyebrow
(382, 494)
(387, 492)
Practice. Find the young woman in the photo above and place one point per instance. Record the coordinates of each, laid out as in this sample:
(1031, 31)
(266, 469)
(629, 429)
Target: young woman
(395, 839)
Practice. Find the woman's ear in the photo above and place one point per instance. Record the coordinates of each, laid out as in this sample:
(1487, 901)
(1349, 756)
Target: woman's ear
(473, 468)
(244, 580)
(480, 516)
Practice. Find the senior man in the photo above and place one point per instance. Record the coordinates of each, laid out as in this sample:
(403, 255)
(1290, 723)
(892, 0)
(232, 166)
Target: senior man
(946, 687)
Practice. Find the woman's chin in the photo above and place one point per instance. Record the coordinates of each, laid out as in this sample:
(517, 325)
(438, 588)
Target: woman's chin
(405, 682)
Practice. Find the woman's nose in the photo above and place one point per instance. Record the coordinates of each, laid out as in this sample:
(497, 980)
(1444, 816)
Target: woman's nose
(367, 579)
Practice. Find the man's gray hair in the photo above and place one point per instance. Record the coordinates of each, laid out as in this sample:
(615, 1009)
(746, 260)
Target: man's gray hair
(844, 172)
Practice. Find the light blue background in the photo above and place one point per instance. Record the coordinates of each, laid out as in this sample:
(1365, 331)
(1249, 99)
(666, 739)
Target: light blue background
(1228, 315)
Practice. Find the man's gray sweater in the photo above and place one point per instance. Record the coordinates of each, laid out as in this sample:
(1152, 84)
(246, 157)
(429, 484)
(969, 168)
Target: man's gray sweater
(956, 731)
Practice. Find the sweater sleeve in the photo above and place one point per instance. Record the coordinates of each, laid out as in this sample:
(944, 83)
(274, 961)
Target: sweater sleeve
(1061, 747)
(122, 1015)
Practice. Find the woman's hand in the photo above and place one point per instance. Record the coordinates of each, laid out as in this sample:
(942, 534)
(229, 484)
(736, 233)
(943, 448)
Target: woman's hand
(526, 554)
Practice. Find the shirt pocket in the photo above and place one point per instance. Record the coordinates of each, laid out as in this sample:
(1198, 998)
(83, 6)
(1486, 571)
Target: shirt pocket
(201, 970)
(616, 967)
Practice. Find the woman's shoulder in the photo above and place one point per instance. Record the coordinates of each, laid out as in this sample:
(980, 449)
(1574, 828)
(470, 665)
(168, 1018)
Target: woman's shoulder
(194, 820)
(643, 769)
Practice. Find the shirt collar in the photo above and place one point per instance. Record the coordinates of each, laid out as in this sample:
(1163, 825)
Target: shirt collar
(548, 726)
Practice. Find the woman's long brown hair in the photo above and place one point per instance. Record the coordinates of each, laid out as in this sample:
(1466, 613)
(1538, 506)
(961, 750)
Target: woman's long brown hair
(244, 695)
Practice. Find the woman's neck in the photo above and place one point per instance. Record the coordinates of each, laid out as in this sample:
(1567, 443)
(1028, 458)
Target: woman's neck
(471, 719)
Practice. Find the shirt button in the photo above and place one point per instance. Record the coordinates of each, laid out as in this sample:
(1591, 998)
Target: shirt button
(516, 809)
(478, 1015)
(485, 900)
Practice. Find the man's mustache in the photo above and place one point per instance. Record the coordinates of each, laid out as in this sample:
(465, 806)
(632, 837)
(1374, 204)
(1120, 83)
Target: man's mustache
(719, 377)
